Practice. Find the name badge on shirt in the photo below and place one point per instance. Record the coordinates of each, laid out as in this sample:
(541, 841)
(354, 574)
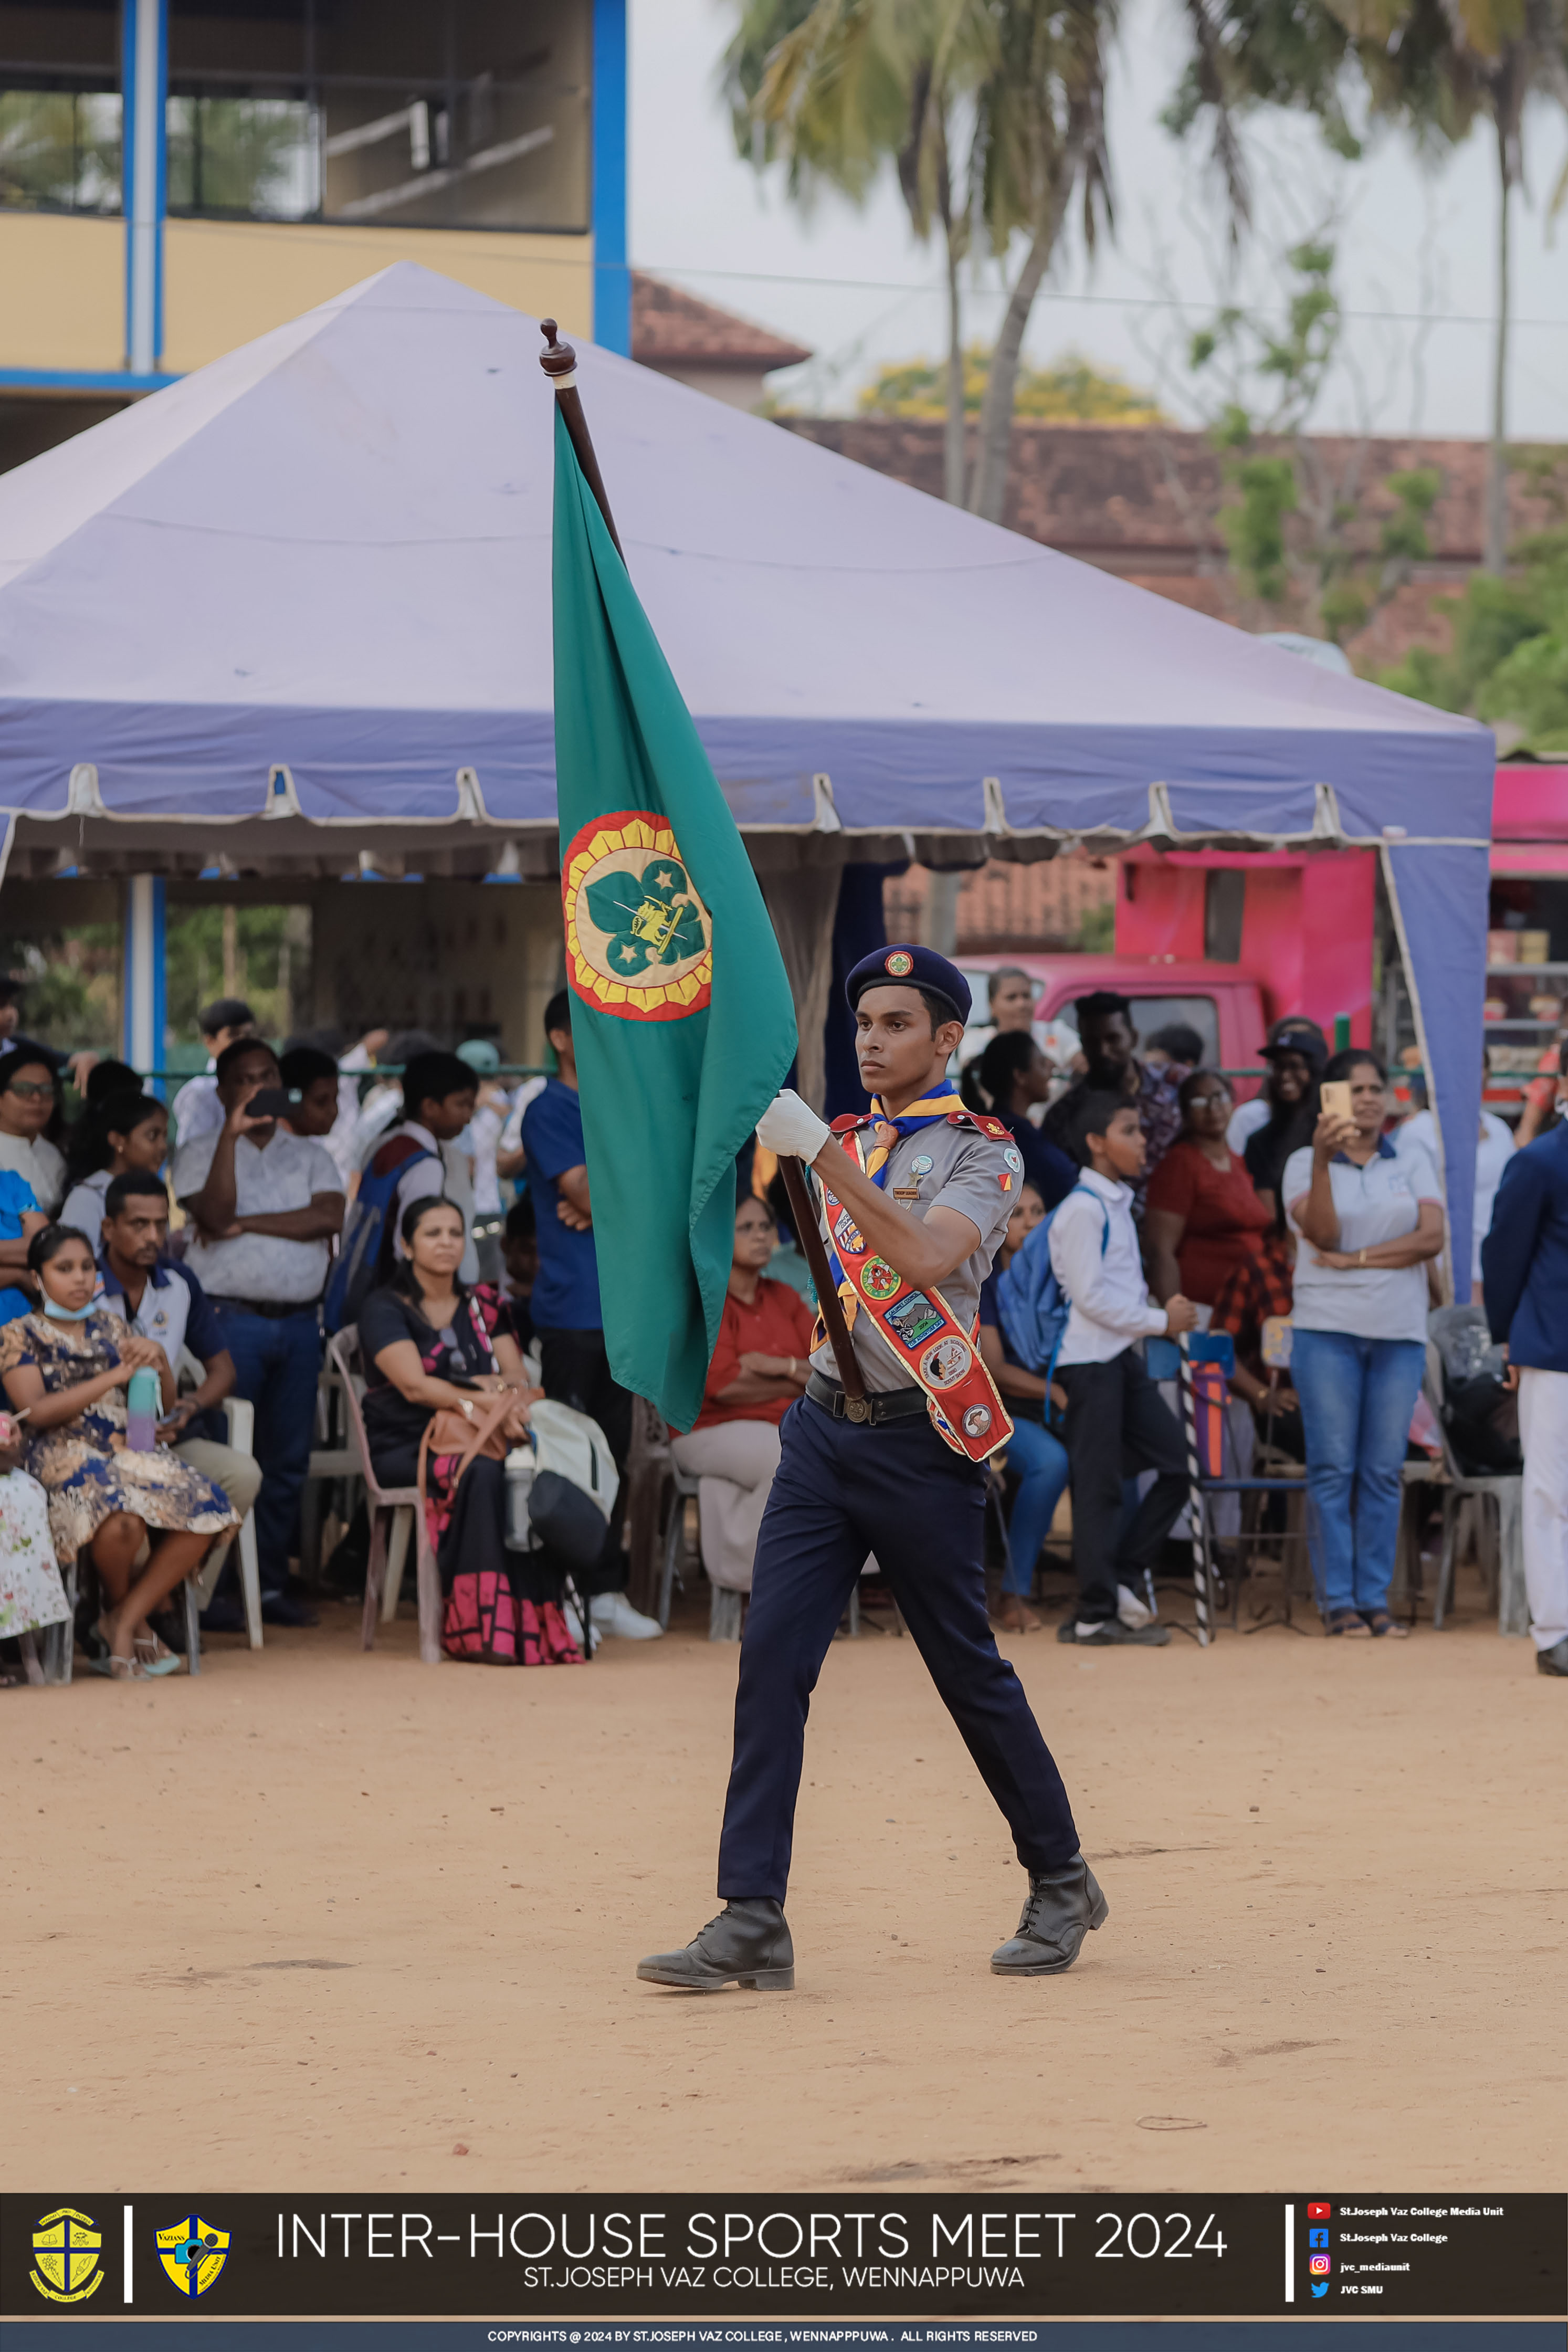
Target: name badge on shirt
(906, 1192)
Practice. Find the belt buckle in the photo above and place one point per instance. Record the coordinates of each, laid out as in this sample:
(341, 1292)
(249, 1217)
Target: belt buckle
(857, 1408)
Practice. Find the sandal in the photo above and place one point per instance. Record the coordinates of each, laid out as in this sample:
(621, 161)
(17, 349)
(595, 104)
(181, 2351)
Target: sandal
(1351, 1622)
(119, 1670)
(1380, 1624)
(154, 1655)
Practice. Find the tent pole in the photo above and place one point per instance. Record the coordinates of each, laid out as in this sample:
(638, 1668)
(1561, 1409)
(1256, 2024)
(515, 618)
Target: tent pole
(1413, 991)
(560, 364)
(142, 1024)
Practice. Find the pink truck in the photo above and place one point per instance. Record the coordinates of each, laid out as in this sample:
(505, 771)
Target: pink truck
(1228, 940)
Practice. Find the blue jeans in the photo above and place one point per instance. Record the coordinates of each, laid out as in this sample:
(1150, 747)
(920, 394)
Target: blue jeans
(278, 1363)
(1040, 1461)
(1357, 1397)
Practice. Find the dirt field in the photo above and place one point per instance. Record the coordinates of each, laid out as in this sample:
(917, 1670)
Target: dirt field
(320, 1920)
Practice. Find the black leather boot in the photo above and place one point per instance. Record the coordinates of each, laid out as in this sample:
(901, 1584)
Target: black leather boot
(1063, 1907)
(748, 1944)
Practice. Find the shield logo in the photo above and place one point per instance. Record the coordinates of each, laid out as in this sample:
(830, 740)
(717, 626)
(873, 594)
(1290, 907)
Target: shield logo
(638, 937)
(65, 2246)
(193, 2253)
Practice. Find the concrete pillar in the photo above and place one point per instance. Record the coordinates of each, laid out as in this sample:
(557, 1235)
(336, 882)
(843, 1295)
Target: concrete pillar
(612, 273)
(144, 74)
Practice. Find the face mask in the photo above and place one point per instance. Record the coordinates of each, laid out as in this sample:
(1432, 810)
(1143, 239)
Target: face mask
(58, 1314)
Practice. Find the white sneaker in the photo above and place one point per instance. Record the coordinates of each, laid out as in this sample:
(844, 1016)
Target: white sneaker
(612, 1612)
(1132, 1612)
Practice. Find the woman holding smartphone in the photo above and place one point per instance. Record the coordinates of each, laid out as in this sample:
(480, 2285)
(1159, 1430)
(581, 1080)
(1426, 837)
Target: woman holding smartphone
(1366, 1219)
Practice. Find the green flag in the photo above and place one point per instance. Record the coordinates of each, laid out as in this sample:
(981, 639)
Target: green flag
(682, 1024)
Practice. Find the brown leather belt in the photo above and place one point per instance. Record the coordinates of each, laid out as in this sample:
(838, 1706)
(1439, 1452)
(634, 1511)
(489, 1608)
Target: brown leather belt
(879, 1405)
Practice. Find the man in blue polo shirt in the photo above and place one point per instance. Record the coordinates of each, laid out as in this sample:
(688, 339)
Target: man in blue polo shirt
(565, 1302)
(1524, 1263)
(162, 1300)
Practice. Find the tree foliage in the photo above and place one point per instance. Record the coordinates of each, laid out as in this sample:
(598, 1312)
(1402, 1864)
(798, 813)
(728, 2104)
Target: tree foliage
(1071, 388)
(1508, 662)
(1300, 538)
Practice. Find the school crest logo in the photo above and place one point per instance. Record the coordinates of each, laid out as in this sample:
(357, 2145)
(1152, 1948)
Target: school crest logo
(878, 1279)
(639, 940)
(65, 2246)
(193, 2253)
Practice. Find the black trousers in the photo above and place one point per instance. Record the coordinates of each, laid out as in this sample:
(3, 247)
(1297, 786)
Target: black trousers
(577, 1372)
(841, 1490)
(1118, 1423)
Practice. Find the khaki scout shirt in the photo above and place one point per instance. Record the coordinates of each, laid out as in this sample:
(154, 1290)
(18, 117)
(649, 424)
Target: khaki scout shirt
(939, 1166)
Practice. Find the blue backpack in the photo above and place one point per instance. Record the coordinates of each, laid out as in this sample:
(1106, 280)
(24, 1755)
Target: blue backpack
(365, 1261)
(1032, 1302)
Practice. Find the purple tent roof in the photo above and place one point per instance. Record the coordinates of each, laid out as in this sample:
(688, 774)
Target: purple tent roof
(330, 551)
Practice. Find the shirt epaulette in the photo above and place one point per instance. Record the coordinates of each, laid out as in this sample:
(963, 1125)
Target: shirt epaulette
(848, 1120)
(994, 1128)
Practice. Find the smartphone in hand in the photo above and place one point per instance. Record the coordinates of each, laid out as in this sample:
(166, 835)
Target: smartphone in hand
(270, 1102)
(1335, 1096)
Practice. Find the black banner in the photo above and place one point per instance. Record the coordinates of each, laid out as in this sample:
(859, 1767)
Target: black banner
(634, 2261)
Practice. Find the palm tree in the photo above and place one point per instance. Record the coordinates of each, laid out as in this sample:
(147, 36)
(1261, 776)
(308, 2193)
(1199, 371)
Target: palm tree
(1040, 140)
(993, 110)
(834, 88)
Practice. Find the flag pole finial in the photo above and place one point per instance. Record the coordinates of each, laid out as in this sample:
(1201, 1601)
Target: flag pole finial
(558, 360)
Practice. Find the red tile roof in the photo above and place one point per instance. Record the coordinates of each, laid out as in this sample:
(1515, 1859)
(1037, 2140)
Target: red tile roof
(1142, 501)
(671, 328)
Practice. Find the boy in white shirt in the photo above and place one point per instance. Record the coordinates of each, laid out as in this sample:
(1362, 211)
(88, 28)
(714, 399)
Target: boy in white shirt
(1117, 1422)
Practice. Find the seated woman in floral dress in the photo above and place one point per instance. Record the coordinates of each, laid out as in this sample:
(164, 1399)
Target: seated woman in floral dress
(67, 1365)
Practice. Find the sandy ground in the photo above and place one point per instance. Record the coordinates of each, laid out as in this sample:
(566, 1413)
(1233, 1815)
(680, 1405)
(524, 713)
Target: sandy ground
(320, 1920)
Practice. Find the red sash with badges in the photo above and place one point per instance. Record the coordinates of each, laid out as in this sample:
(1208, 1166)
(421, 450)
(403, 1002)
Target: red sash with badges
(924, 1333)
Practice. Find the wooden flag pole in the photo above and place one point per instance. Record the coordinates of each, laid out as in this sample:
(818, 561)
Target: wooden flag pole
(560, 364)
(829, 1305)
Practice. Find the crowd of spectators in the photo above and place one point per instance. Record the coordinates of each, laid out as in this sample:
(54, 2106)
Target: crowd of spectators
(1276, 1223)
(1168, 1206)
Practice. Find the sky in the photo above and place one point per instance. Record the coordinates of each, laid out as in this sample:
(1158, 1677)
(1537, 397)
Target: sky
(1416, 264)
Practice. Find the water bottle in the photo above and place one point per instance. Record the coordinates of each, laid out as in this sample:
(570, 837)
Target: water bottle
(143, 1399)
(519, 1468)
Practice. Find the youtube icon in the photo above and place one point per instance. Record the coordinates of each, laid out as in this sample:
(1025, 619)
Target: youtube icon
(1319, 2212)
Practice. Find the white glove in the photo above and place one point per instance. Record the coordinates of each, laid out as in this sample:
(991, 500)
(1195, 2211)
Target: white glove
(791, 1128)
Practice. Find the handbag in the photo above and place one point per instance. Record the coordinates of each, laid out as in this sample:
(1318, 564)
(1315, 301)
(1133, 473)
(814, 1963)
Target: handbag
(466, 1435)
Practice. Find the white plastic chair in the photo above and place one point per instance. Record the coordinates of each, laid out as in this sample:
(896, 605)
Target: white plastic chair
(239, 1426)
(395, 1513)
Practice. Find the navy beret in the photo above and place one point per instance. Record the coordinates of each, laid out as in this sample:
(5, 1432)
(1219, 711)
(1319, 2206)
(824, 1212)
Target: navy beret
(902, 966)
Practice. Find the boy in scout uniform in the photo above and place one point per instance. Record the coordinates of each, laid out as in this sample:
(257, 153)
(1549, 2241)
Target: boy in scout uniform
(915, 1199)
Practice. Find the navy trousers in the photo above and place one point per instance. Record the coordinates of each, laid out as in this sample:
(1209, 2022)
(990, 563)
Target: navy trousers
(840, 1492)
(278, 1363)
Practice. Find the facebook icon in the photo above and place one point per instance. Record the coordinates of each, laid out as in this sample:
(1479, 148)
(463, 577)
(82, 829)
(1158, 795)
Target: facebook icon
(1317, 2237)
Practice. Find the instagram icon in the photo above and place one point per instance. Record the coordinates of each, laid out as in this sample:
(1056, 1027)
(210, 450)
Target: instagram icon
(1320, 2266)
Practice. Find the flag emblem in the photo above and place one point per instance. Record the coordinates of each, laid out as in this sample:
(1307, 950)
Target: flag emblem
(638, 937)
(65, 2246)
(193, 2253)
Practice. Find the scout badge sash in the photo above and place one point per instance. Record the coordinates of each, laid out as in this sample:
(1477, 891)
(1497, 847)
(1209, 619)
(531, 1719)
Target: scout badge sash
(919, 1326)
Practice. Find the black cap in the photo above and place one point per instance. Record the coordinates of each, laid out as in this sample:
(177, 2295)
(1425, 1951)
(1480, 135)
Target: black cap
(1296, 1035)
(904, 966)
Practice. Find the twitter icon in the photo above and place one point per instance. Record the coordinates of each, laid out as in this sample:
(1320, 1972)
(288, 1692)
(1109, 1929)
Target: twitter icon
(1320, 2288)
